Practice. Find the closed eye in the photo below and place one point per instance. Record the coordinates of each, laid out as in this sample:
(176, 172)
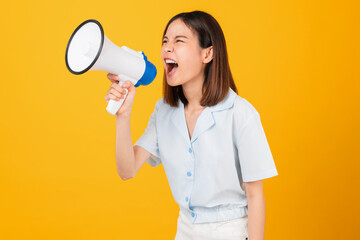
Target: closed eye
(176, 41)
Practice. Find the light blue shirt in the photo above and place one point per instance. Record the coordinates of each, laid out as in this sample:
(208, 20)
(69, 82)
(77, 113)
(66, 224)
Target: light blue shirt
(206, 173)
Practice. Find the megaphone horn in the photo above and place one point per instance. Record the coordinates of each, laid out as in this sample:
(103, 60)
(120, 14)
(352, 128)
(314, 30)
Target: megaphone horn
(89, 49)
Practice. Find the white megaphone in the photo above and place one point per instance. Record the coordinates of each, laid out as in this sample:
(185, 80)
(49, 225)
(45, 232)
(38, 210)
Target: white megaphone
(89, 49)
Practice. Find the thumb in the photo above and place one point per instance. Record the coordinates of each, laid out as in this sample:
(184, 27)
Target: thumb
(129, 86)
(126, 84)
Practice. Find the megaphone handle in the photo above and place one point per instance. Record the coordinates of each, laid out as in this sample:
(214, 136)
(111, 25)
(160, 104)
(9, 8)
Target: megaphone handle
(114, 106)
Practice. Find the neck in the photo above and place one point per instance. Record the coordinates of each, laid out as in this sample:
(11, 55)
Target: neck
(193, 93)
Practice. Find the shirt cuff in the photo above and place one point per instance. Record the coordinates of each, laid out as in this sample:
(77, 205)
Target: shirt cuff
(154, 160)
(268, 174)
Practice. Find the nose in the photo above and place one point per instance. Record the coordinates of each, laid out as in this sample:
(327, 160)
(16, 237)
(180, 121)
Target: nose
(169, 47)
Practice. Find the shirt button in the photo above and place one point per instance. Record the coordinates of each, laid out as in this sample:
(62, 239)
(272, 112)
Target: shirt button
(190, 150)
(186, 199)
(193, 214)
(189, 174)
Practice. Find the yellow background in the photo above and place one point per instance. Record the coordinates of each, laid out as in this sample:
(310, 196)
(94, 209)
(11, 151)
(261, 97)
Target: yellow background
(297, 62)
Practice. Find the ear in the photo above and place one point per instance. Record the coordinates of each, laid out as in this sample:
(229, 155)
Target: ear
(208, 54)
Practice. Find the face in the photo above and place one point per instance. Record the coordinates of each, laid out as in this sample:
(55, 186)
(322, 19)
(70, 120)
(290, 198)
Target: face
(184, 60)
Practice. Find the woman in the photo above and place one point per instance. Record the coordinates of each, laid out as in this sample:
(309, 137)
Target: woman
(209, 139)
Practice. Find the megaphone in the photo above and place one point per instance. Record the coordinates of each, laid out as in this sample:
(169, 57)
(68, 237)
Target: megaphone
(89, 49)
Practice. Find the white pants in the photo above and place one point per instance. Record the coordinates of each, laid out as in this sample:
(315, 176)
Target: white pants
(226, 230)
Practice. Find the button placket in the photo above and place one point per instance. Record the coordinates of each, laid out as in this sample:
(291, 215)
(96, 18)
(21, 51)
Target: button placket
(189, 172)
(189, 175)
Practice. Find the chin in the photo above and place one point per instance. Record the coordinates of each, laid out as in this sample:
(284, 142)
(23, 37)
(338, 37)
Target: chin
(172, 83)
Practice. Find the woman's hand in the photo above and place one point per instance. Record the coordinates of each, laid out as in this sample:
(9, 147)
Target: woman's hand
(116, 93)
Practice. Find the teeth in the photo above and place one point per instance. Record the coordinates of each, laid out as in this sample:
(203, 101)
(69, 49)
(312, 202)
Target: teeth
(170, 61)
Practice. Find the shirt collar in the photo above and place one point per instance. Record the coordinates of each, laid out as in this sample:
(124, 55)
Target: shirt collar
(204, 121)
(226, 103)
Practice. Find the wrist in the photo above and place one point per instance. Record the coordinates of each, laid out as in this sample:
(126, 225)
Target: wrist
(123, 116)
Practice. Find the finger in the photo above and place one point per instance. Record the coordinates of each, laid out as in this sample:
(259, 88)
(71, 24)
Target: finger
(113, 77)
(113, 97)
(132, 85)
(127, 84)
(109, 97)
(118, 89)
(132, 88)
(115, 86)
(115, 92)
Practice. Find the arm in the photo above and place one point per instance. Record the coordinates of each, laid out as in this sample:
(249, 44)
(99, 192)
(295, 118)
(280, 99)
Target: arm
(129, 159)
(256, 209)
(125, 157)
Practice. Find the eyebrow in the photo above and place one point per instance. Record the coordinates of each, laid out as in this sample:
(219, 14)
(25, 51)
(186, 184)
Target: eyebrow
(178, 36)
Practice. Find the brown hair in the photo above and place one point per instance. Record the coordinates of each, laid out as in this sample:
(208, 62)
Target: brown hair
(218, 77)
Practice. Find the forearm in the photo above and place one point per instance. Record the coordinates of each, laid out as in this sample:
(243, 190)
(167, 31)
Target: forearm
(256, 217)
(125, 159)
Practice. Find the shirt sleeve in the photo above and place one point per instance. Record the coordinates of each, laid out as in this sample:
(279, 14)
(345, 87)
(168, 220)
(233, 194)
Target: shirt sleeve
(256, 161)
(148, 140)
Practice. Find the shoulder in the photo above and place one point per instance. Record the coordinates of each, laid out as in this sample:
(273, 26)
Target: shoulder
(162, 107)
(160, 104)
(244, 110)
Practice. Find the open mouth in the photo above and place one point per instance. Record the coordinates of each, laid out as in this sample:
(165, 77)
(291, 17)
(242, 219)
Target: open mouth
(171, 67)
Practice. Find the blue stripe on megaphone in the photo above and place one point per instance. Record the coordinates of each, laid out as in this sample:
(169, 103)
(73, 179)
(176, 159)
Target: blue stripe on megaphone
(149, 73)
